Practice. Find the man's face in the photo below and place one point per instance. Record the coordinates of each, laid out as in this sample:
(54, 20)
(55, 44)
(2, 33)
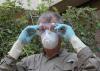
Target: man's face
(50, 38)
(48, 33)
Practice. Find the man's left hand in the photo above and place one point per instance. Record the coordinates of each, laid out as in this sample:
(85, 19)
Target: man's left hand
(68, 31)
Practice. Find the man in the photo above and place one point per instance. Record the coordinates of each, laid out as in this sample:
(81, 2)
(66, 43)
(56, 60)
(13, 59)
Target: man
(51, 30)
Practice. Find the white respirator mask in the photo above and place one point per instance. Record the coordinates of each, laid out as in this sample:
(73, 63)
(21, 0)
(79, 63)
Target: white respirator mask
(49, 39)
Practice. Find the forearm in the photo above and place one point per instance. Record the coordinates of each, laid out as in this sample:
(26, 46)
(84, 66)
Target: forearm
(16, 49)
(85, 55)
(77, 43)
(9, 61)
(88, 60)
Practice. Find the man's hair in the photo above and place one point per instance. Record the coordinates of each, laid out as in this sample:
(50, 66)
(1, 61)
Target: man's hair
(48, 15)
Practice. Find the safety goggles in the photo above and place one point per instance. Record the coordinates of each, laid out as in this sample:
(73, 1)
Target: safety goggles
(49, 26)
(46, 26)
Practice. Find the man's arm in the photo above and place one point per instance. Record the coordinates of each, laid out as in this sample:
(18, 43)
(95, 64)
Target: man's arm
(8, 63)
(86, 59)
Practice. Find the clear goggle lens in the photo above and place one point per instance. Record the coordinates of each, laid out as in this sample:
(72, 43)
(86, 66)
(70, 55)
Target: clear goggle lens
(49, 26)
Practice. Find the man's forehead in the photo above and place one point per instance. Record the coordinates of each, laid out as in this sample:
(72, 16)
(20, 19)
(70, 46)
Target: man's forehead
(43, 20)
(48, 20)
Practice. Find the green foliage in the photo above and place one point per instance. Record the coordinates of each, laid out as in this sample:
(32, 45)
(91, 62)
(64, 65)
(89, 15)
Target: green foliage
(44, 6)
(84, 23)
(13, 19)
(9, 25)
(98, 25)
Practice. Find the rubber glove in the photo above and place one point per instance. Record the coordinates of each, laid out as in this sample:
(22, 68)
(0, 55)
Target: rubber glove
(28, 33)
(70, 35)
(68, 31)
(25, 37)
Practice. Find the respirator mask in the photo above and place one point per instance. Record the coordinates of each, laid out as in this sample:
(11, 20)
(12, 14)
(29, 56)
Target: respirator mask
(49, 37)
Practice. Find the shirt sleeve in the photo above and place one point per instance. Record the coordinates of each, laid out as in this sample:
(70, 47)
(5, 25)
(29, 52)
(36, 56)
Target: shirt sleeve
(87, 60)
(9, 64)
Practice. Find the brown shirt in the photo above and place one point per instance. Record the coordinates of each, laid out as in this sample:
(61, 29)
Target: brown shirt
(64, 61)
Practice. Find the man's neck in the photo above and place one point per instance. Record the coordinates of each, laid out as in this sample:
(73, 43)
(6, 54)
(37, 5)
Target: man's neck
(51, 53)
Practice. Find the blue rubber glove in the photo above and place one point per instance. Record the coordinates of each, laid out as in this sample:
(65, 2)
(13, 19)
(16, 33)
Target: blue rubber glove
(68, 32)
(28, 33)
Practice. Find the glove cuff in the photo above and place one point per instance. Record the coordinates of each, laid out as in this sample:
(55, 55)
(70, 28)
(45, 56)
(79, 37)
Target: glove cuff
(77, 43)
(16, 49)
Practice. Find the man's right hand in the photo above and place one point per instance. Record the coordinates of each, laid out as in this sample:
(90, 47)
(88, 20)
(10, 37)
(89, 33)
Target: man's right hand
(28, 33)
(25, 37)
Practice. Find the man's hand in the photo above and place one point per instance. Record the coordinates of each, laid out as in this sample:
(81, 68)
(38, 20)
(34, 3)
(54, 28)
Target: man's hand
(70, 35)
(68, 31)
(28, 33)
(25, 37)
